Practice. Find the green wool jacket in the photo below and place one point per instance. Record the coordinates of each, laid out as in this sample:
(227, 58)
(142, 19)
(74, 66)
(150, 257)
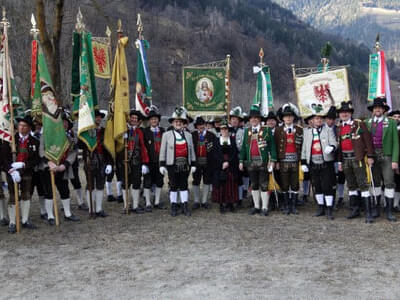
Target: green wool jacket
(390, 141)
(266, 145)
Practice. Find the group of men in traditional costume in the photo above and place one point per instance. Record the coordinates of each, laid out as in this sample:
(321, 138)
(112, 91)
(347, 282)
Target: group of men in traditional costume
(222, 158)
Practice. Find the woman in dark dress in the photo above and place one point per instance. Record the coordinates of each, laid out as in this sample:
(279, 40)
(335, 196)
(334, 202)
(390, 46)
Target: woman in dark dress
(226, 175)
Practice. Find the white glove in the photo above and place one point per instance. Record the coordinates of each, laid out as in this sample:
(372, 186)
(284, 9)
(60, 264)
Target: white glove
(304, 168)
(329, 149)
(163, 170)
(18, 165)
(270, 169)
(145, 169)
(192, 170)
(52, 165)
(125, 135)
(60, 168)
(15, 176)
(108, 169)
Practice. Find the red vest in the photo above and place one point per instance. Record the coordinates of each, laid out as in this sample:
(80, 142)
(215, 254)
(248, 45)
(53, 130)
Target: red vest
(22, 155)
(254, 151)
(345, 138)
(316, 148)
(181, 147)
(290, 145)
(157, 142)
(99, 147)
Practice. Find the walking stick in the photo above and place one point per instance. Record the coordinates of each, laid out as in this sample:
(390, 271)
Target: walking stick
(126, 176)
(53, 188)
(373, 185)
(90, 187)
(6, 24)
(275, 192)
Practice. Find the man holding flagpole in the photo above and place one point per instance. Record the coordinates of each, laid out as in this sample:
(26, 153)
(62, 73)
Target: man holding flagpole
(385, 141)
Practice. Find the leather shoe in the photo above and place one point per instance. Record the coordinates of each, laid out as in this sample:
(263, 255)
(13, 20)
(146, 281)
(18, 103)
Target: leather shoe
(254, 211)
(83, 206)
(196, 205)
(111, 198)
(101, 214)
(138, 211)
(51, 222)
(12, 229)
(148, 208)
(4, 222)
(28, 225)
(71, 218)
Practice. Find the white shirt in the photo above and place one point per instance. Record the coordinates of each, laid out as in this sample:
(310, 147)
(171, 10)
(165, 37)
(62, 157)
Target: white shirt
(348, 122)
(256, 128)
(22, 138)
(223, 140)
(378, 120)
(286, 128)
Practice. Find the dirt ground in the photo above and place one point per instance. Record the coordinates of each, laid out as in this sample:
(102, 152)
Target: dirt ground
(206, 256)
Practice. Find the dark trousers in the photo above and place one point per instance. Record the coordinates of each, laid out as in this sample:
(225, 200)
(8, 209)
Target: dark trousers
(24, 187)
(397, 181)
(37, 183)
(61, 184)
(117, 170)
(289, 176)
(177, 180)
(323, 178)
(153, 177)
(202, 171)
(97, 179)
(134, 177)
(76, 182)
(258, 177)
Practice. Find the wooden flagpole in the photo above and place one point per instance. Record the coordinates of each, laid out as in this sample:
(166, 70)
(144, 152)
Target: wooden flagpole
(120, 35)
(228, 84)
(6, 24)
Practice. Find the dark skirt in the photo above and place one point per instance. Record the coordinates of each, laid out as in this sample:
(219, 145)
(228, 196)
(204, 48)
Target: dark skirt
(226, 191)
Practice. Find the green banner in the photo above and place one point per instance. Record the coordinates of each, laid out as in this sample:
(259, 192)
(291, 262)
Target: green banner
(264, 89)
(55, 138)
(373, 76)
(204, 90)
(83, 88)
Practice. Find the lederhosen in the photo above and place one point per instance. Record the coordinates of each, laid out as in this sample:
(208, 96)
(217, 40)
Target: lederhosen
(322, 172)
(135, 158)
(289, 166)
(37, 175)
(179, 172)
(61, 180)
(203, 147)
(153, 145)
(28, 153)
(256, 167)
(382, 168)
(76, 182)
(96, 161)
(354, 171)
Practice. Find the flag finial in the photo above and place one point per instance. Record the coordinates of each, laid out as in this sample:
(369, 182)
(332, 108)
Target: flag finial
(79, 21)
(140, 26)
(119, 26)
(34, 30)
(108, 31)
(261, 55)
(4, 20)
(378, 44)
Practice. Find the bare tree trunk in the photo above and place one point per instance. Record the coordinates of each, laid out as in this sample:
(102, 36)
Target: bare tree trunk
(51, 46)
